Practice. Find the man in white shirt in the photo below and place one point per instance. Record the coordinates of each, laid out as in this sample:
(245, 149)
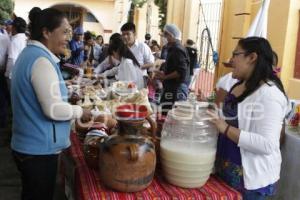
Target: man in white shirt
(140, 50)
(18, 43)
(5, 42)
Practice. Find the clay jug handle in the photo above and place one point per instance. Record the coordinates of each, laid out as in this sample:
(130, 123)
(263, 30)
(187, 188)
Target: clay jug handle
(133, 152)
(153, 126)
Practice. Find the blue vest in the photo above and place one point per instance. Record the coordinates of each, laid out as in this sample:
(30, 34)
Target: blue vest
(33, 132)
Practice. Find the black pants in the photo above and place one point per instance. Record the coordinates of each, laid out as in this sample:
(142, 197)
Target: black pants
(38, 174)
(4, 100)
(171, 94)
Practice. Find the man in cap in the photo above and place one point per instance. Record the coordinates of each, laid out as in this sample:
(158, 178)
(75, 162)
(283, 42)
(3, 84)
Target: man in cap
(77, 47)
(18, 43)
(7, 27)
(175, 74)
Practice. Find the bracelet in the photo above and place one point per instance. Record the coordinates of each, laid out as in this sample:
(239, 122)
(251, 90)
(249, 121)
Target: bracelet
(226, 130)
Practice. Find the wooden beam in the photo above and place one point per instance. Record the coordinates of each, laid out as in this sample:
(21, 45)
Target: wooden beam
(239, 14)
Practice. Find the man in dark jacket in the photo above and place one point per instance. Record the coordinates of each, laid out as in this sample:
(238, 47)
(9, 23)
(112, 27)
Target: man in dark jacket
(176, 73)
(193, 54)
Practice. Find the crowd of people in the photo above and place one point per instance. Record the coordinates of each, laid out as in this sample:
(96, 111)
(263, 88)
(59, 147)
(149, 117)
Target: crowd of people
(31, 64)
(248, 153)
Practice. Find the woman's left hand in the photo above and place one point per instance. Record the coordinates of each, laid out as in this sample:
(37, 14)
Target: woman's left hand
(219, 123)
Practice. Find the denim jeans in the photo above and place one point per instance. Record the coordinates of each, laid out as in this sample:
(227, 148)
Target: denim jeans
(253, 195)
(182, 92)
(38, 175)
(171, 94)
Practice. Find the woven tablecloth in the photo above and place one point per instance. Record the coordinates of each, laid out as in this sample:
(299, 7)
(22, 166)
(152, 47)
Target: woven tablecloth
(88, 186)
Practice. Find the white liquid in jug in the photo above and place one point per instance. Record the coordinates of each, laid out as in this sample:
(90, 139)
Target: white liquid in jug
(187, 164)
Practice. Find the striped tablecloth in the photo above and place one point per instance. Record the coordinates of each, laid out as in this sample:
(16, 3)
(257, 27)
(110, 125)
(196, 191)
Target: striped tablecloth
(88, 186)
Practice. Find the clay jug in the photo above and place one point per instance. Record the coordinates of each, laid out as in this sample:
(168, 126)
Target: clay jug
(127, 160)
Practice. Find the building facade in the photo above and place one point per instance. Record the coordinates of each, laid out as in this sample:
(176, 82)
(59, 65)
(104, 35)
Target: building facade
(237, 15)
(283, 24)
(99, 16)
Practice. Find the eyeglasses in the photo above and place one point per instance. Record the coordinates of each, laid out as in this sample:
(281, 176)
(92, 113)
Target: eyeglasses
(236, 53)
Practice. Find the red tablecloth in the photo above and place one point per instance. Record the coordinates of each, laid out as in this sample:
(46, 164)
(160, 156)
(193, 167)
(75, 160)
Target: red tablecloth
(88, 186)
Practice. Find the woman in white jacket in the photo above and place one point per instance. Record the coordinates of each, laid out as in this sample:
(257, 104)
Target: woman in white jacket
(128, 68)
(248, 154)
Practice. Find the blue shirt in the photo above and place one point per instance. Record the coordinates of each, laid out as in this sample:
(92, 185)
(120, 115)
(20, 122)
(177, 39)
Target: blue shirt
(77, 52)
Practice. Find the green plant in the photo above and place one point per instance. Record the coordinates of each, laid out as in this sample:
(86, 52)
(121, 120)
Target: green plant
(6, 9)
(162, 7)
(138, 3)
(134, 4)
(212, 97)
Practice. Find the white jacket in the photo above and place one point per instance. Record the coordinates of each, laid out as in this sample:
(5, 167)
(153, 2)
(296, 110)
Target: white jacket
(17, 44)
(260, 118)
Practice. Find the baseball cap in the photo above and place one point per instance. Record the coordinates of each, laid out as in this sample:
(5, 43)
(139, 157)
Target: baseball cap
(8, 22)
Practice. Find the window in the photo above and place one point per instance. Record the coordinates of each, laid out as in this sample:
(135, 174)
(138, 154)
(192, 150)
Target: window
(90, 18)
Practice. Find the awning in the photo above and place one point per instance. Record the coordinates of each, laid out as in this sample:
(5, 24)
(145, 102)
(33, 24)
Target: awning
(259, 25)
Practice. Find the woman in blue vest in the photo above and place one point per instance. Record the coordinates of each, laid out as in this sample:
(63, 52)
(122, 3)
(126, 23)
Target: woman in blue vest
(41, 113)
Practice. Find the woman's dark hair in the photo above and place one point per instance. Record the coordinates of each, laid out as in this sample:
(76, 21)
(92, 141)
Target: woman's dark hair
(19, 24)
(154, 42)
(88, 36)
(190, 42)
(100, 36)
(263, 70)
(48, 18)
(117, 44)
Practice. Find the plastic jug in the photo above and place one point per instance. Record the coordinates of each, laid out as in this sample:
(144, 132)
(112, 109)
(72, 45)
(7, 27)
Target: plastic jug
(188, 145)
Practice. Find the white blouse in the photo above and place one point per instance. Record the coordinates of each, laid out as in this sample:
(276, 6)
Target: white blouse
(127, 71)
(45, 81)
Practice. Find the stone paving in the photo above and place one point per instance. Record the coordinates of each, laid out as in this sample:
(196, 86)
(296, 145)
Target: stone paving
(10, 183)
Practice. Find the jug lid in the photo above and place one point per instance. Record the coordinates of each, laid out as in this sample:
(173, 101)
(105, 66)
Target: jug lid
(192, 112)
